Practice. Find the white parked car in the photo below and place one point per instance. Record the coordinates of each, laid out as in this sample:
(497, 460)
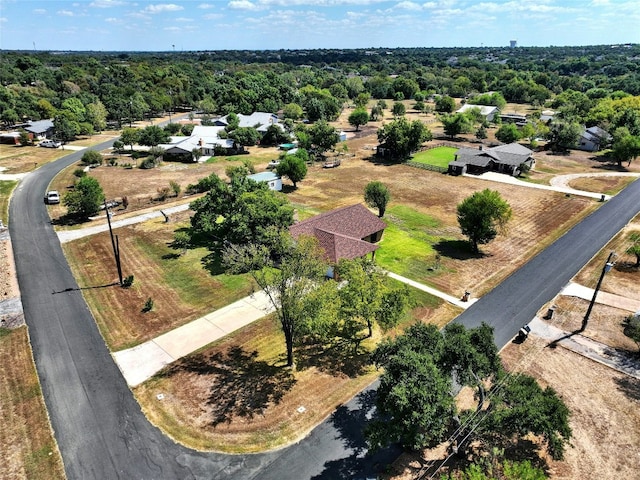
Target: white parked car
(52, 197)
(273, 164)
(50, 144)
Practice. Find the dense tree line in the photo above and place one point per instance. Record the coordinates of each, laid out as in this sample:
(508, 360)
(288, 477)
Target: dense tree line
(134, 85)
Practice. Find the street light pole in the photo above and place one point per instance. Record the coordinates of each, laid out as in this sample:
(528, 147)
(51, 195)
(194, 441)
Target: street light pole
(605, 269)
(114, 243)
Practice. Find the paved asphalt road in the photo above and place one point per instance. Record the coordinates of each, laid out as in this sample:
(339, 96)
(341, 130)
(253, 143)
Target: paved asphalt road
(99, 427)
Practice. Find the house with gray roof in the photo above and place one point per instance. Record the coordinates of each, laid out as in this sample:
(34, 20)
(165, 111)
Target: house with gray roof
(203, 138)
(487, 111)
(261, 121)
(502, 159)
(593, 139)
(40, 128)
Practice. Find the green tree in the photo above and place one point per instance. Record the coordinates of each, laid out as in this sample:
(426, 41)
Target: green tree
(377, 195)
(246, 136)
(634, 248)
(445, 104)
(153, 135)
(398, 109)
(91, 157)
(85, 199)
(64, 127)
(292, 111)
(299, 269)
(455, 124)
(96, 115)
(402, 138)
(274, 135)
(414, 403)
(625, 148)
(481, 133)
(362, 100)
(24, 138)
(508, 133)
(367, 299)
(563, 135)
(632, 328)
(130, 136)
(519, 406)
(376, 113)
(294, 167)
(482, 216)
(323, 137)
(240, 212)
(358, 117)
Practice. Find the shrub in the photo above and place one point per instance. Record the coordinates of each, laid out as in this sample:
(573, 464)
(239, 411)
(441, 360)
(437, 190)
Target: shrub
(175, 188)
(79, 173)
(148, 163)
(125, 202)
(163, 193)
(92, 157)
(113, 162)
(148, 305)
(127, 282)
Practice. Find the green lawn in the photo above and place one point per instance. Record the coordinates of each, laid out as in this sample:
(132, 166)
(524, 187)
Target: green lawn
(407, 246)
(6, 187)
(439, 156)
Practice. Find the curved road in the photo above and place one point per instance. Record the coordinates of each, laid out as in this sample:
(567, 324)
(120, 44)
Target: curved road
(99, 427)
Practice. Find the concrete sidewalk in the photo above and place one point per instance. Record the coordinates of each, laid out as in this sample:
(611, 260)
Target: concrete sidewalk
(620, 360)
(604, 298)
(141, 362)
(70, 235)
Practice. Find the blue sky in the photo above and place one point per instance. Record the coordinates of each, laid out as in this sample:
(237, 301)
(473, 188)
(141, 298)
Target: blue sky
(182, 25)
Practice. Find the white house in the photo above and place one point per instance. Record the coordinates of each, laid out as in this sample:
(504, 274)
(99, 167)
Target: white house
(592, 139)
(487, 111)
(271, 178)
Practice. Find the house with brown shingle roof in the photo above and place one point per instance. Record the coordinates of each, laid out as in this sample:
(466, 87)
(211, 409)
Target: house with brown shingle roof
(348, 232)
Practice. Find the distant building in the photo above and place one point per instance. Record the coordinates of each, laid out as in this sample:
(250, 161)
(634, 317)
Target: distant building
(513, 43)
(487, 111)
(592, 139)
(270, 178)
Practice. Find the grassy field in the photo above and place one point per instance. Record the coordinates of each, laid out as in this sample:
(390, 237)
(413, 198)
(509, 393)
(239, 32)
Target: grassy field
(439, 156)
(237, 395)
(28, 448)
(183, 287)
(6, 187)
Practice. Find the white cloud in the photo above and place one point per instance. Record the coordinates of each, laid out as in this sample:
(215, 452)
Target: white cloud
(163, 7)
(212, 16)
(106, 3)
(184, 19)
(242, 5)
(206, 6)
(65, 13)
(3, 20)
(408, 6)
(39, 11)
(112, 20)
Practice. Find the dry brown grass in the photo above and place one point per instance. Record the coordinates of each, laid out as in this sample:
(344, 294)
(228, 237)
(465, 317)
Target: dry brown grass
(28, 447)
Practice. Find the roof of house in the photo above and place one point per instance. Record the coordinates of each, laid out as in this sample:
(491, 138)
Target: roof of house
(40, 126)
(264, 176)
(596, 134)
(484, 109)
(508, 154)
(263, 119)
(201, 136)
(340, 232)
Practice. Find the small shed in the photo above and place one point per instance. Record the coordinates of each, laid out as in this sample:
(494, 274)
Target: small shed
(271, 178)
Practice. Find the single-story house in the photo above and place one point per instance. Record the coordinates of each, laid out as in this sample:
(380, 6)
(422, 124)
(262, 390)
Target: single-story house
(348, 232)
(517, 118)
(10, 138)
(204, 138)
(270, 178)
(40, 128)
(547, 116)
(260, 120)
(592, 139)
(503, 159)
(487, 111)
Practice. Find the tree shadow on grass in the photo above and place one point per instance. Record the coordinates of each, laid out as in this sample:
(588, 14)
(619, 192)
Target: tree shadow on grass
(212, 262)
(242, 386)
(338, 359)
(456, 249)
(630, 387)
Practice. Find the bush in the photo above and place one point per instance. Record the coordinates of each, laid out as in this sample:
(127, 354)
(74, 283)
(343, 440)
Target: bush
(163, 193)
(113, 162)
(127, 282)
(175, 188)
(148, 305)
(148, 163)
(92, 157)
(79, 173)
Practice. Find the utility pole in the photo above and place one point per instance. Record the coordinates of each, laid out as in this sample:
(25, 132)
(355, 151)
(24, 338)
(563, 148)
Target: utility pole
(114, 243)
(605, 269)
